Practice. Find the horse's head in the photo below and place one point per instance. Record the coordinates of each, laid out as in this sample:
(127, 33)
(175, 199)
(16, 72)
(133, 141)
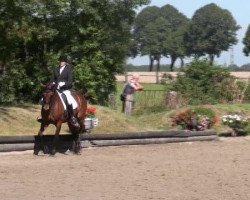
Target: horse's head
(49, 90)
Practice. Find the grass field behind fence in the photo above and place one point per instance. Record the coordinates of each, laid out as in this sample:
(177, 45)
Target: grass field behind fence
(152, 95)
(21, 119)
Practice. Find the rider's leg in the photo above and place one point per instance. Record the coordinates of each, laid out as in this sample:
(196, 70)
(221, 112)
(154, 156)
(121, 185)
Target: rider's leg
(69, 106)
(71, 118)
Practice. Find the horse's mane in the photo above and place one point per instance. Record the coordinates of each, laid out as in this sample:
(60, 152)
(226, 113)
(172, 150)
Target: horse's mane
(49, 86)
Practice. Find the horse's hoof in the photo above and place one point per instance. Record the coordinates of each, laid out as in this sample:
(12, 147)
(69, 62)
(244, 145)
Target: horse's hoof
(68, 152)
(45, 150)
(36, 152)
(39, 153)
(78, 151)
(53, 152)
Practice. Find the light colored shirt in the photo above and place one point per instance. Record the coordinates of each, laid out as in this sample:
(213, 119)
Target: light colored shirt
(62, 68)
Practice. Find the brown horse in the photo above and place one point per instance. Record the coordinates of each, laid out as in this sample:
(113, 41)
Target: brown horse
(53, 113)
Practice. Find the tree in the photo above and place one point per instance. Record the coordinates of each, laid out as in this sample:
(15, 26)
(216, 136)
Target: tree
(212, 31)
(103, 45)
(11, 46)
(245, 67)
(152, 39)
(203, 83)
(144, 33)
(160, 31)
(94, 34)
(174, 44)
(246, 42)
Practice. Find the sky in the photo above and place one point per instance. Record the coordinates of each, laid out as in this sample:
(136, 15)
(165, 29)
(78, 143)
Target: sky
(240, 9)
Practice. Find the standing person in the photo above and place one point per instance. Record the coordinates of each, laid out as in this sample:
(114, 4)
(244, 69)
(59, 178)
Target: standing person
(62, 78)
(127, 95)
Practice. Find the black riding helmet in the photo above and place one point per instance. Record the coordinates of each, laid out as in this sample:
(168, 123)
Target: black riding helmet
(63, 58)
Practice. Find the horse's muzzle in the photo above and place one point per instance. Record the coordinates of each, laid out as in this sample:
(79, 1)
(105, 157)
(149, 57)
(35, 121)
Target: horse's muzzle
(46, 106)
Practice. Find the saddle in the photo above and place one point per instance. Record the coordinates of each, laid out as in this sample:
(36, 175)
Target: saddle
(69, 104)
(67, 99)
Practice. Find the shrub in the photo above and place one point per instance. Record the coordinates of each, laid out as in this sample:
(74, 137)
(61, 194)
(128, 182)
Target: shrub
(245, 89)
(202, 83)
(166, 78)
(197, 119)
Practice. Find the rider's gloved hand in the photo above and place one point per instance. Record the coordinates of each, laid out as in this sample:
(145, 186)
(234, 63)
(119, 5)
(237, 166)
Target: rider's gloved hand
(60, 84)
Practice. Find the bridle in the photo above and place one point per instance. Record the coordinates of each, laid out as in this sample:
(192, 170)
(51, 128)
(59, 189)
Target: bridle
(47, 95)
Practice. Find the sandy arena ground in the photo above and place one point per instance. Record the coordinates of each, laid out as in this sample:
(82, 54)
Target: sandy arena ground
(180, 171)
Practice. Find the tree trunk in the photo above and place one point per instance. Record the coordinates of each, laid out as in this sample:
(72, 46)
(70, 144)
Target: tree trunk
(182, 62)
(26, 51)
(173, 59)
(211, 57)
(2, 69)
(151, 65)
(157, 70)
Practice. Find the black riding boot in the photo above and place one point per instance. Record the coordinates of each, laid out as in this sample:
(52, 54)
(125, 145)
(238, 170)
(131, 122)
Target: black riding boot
(72, 120)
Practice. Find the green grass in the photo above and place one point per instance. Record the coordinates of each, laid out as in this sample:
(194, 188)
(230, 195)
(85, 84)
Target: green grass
(21, 120)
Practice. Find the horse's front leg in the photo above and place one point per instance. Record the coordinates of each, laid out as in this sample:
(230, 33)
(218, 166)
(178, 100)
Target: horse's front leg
(40, 145)
(82, 127)
(56, 138)
(76, 144)
(77, 147)
(77, 138)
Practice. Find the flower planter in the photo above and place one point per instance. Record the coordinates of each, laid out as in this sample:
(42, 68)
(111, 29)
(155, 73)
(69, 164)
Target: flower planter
(197, 119)
(90, 123)
(238, 132)
(237, 123)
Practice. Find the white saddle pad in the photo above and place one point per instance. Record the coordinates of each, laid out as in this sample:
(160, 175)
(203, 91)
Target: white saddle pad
(69, 97)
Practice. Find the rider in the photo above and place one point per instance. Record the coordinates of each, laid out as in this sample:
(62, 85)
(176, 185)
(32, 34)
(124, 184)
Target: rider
(62, 77)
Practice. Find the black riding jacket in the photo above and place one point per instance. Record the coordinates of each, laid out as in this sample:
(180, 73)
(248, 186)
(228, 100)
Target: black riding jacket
(66, 76)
